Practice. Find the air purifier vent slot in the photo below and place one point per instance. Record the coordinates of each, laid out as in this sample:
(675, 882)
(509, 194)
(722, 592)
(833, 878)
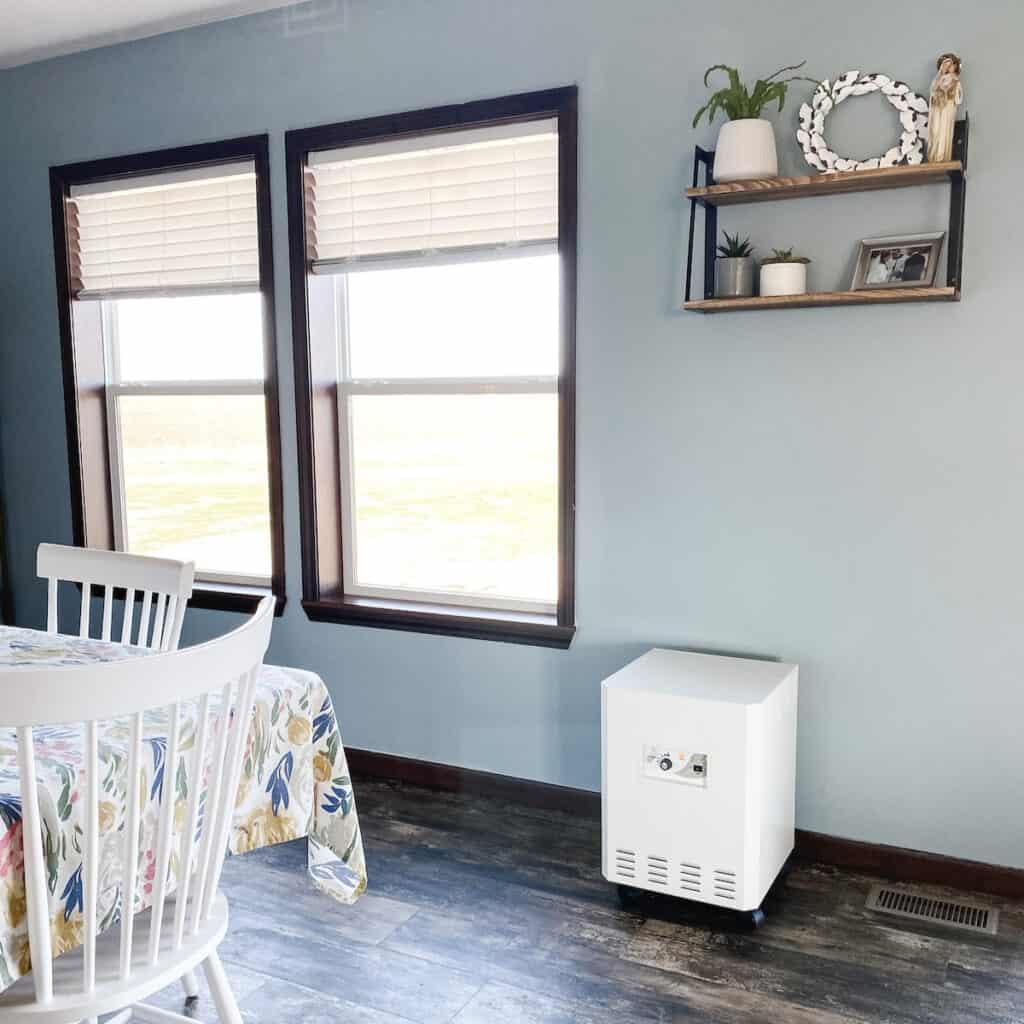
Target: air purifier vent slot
(657, 870)
(919, 906)
(625, 863)
(689, 877)
(725, 884)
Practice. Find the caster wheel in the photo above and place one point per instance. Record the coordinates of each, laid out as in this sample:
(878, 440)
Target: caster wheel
(756, 919)
(627, 897)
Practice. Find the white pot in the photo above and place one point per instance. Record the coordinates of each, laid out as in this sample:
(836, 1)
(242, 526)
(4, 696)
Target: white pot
(784, 279)
(745, 149)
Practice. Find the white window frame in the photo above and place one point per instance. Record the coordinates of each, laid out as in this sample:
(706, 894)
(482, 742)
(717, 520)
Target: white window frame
(115, 389)
(349, 386)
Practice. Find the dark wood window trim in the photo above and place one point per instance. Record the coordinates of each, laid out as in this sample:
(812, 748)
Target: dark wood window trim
(323, 595)
(6, 609)
(82, 359)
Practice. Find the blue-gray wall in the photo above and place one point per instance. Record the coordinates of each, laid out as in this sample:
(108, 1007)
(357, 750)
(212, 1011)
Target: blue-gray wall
(841, 488)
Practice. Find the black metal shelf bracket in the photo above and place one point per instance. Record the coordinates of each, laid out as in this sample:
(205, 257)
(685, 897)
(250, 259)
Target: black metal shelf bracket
(957, 205)
(703, 158)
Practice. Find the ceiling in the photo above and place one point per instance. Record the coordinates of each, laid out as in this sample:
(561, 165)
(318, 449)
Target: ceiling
(36, 29)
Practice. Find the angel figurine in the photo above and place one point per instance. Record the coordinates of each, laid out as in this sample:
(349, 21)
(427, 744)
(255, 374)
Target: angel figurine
(947, 95)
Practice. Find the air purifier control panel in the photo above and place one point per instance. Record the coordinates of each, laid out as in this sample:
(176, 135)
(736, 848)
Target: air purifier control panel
(673, 765)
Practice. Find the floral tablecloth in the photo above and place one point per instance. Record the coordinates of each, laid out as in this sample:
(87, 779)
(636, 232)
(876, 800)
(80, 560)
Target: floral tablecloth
(294, 782)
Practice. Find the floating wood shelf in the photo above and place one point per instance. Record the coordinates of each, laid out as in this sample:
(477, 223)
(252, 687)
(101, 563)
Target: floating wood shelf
(762, 190)
(709, 196)
(862, 298)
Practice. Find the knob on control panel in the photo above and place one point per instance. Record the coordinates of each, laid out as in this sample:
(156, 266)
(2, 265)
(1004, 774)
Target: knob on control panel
(674, 763)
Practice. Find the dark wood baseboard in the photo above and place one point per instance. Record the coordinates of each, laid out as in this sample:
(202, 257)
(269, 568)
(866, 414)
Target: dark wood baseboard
(904, 865)
(892, 862)
(368, 764)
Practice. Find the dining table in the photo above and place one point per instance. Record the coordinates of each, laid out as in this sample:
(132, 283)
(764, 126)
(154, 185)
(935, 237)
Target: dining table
(294, 783)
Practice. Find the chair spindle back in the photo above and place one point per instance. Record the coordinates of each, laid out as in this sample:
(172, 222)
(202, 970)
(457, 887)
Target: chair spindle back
(162, 584)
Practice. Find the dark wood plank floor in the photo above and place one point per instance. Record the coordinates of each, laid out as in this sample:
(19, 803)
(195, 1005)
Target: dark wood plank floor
(481, 912)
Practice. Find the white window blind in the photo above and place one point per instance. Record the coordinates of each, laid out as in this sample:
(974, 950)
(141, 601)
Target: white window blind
(191, 230)
(461, 191)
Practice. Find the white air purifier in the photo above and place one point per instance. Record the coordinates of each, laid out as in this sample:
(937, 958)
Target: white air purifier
(698, 776)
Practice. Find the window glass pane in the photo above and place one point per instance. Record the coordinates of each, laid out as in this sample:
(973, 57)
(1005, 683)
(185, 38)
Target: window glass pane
(457, 493)
(482, 319)
(195, 337)
(195, 480)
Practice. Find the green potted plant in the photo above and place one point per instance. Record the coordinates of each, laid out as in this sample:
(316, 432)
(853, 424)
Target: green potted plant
(746, 142)
(782, 273)
(734, 268)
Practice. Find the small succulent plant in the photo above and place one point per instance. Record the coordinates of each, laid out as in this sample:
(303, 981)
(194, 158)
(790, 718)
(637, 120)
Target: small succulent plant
(736, 101)
(784, 256)
(733, 248)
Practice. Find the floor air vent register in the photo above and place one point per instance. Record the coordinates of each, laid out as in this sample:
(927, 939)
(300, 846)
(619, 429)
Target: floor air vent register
(918, 906)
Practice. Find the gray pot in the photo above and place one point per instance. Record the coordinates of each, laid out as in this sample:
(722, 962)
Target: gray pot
(734, 277)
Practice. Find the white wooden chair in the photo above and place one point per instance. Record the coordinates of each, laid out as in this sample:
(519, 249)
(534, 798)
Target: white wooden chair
(163, 585)
(113, 972)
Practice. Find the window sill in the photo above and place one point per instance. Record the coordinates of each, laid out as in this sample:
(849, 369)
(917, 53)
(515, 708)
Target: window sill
(471, 623)
(233, 597)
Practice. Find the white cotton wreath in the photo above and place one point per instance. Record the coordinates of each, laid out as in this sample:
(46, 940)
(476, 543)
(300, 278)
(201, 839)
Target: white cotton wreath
(913, 110)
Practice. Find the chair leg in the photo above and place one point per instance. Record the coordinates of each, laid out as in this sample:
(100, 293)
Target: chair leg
(190, 985)
(223, 997)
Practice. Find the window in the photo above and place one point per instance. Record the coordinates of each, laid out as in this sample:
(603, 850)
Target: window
(170, 374)
(433, 276)
(188, 434)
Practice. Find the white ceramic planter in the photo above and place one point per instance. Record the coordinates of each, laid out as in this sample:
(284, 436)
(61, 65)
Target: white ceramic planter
(784, 279)
(745, 149)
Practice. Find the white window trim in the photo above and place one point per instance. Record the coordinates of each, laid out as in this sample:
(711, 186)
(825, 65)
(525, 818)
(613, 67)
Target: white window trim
(350, 386)
(114, 390)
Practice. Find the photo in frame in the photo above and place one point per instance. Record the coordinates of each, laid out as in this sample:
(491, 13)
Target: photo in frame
(898, 261)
